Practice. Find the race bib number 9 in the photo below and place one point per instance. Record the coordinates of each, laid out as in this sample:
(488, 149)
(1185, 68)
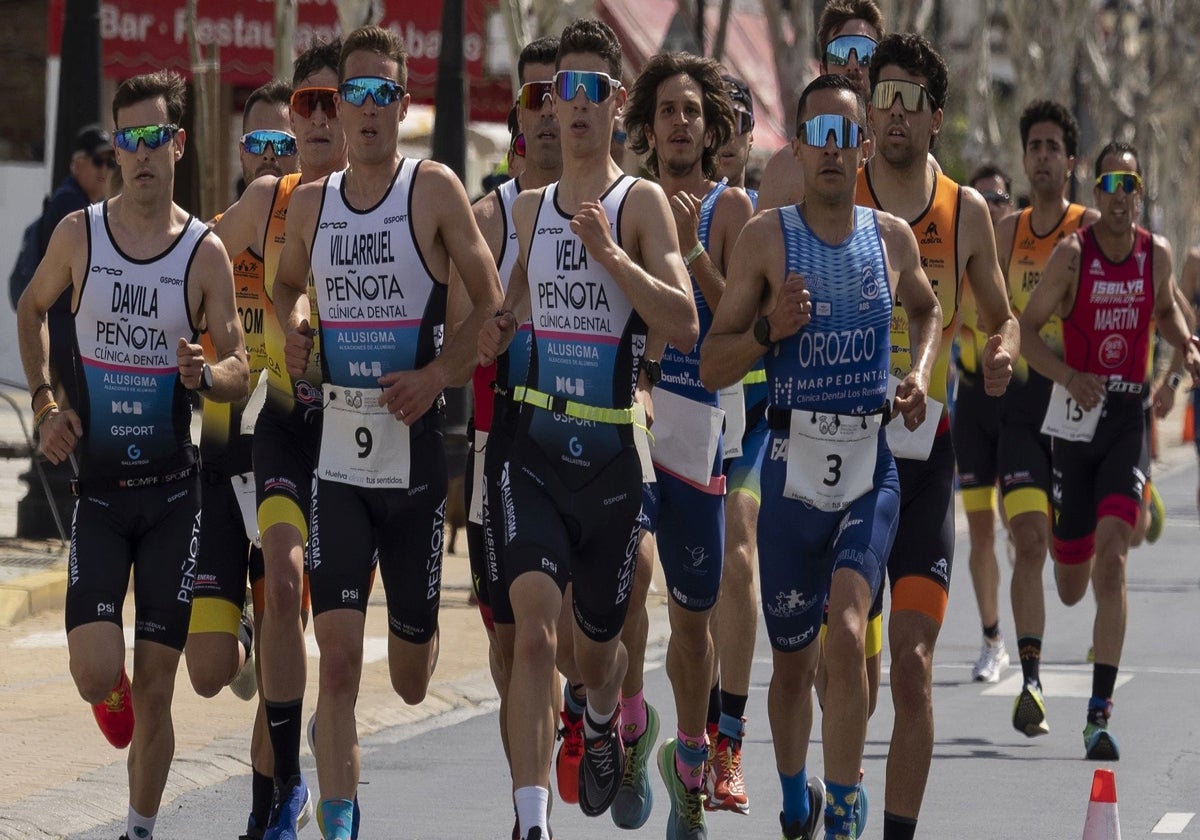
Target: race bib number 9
(831, 458)
(1065, 418)
(361, 442)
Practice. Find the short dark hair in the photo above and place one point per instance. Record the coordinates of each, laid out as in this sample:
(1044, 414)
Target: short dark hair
(1047, 110)
(382, 42)
(594, 37)
(1116, 147)
(830, 81)
(542, 50)
(274, 92)
(837, 13)
(990, 170)
(913, 54)
(321, 55)
(165, 83)
(715, 103)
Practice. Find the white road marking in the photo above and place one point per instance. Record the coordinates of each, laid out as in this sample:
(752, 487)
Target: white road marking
(1172, 823)
(1056, 682)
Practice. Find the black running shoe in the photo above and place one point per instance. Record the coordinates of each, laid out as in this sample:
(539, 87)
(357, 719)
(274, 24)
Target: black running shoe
(601, 770)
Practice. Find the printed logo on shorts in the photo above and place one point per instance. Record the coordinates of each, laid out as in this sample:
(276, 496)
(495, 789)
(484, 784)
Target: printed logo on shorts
(942, 569)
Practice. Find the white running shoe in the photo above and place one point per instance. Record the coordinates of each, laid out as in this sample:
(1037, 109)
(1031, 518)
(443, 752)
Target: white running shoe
(993, 659)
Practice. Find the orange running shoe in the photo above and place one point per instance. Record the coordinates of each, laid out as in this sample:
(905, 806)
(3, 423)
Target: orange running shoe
(115, 714)
(728, 791)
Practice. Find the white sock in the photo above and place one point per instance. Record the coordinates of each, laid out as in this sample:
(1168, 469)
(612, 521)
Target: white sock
(531, 805)
(138, 827)
(592, 715)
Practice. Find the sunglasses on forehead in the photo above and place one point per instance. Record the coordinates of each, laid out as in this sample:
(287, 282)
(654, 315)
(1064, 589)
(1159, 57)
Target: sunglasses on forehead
(847, 134)
(534, 94)
(1111, 182)
(743, 121)
(281, 143)
(305, 101)
(597, 87)
(383, 91)
(837, 51)
(914, 97)
(152, 135)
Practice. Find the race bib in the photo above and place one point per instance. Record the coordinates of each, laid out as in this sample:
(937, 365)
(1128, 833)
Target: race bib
(244, 490)
(831, 458)
(480, 445)
(733, 403)
(917, 444)
(641, 442)
(254, 405)
(1066, 419)
(361, 442)
(686, 435)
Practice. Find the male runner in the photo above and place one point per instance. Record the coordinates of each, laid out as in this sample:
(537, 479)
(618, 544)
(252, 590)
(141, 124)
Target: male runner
(1107, 282)
(380, 272)
(601, 250)
(679, 110)
(286, 436)
(954, 233)
(1189, 286)
(146, 278)
(1049, 139)
(812, 287)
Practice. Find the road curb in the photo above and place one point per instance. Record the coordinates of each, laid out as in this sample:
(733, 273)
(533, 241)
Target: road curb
(27, 596)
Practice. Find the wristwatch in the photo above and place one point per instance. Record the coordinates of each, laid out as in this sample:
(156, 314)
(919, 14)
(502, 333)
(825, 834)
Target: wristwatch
(652, 369)
(206, 378)
(762, 331)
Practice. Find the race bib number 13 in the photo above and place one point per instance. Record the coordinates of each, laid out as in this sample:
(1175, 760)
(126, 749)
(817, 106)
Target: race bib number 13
(1066, 418)
(361, 442)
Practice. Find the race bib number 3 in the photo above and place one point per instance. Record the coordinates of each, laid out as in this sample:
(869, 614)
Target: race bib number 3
(361, 442)
(831, 458)
(1066, 419)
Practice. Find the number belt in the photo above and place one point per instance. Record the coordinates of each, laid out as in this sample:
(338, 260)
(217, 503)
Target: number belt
(780, 419)
(581, 411)
(755, 377)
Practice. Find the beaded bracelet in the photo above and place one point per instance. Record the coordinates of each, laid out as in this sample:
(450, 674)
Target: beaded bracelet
(42, 414)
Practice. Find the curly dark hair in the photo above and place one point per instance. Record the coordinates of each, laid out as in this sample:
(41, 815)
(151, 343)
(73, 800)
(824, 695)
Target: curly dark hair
(1047, 110)
(913, 54)
(643, 103)
(594, 37)
(538, 51)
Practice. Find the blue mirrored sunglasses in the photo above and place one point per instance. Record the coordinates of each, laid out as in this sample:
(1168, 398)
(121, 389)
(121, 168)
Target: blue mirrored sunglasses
(847, 134)
(597, 87)
(1111, 182)
(256, 142)
(152, 135)
(837, 51)
(384, 91)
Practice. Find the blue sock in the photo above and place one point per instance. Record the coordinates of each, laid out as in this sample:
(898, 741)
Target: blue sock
(839, 810)
(337, 818)
(731, 727)
(795, 796)
(571, 703)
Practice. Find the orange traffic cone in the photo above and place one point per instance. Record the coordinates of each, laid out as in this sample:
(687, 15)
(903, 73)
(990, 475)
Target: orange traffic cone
(1189, 420)
(1102, 822)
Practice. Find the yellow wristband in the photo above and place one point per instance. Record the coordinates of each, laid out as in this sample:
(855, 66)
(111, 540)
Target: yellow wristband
(693, 255)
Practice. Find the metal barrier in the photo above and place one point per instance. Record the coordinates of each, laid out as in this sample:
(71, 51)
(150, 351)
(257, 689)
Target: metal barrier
(30, 452)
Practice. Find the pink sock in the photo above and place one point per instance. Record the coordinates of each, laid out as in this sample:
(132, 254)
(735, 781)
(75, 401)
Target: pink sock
(633, 718)
(690, 754)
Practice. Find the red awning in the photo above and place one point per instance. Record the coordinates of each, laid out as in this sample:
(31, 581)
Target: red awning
(140, 36)
(641, 25)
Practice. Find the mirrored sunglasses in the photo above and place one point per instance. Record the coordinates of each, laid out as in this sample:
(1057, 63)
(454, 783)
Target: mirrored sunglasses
(1110, 182)
(837, 51)
(534, 94)
(152, 135)
(996, 197)
(383, 91)
(597, 87)
(743, 121)
(281, 143)
(518, 145)
(306, 100)
(847, 134)
(913, 96)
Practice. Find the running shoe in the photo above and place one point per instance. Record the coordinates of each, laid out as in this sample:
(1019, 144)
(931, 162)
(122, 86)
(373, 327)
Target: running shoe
(245, 684)
(601, 770)
(311, 732)
(635, 797)
(1098, 742)
(290, 811)
(1029, 711)
(860, 806)
(1158, 515)
(993, 659)
(726, 785)
(570, 753)
(686, 821)
(253, 830)
(816, 814)
(115, 714)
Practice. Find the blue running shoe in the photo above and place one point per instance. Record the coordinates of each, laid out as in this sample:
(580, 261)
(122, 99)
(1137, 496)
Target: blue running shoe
(290, 811)
(635, 797)
(860, 808)
(253, 830)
